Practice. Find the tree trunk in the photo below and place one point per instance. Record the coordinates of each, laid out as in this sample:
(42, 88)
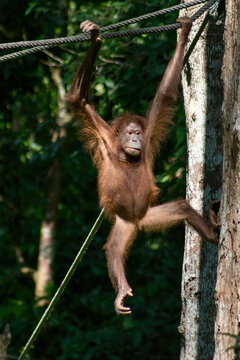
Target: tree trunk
(228, 274)
(44, 274)
(202, 90)
(5, 339)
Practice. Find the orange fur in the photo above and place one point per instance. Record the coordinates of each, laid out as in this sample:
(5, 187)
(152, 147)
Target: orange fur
(126, 185)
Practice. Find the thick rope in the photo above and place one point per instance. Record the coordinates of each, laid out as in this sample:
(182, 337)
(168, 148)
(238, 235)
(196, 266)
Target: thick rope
(85, 37)
(63, 285)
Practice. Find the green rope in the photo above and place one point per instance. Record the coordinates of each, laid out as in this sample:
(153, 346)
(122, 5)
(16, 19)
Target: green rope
(195, 40)
(63, 285)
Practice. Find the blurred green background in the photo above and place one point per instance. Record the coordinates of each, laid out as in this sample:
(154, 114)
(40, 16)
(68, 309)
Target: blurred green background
(128, 70)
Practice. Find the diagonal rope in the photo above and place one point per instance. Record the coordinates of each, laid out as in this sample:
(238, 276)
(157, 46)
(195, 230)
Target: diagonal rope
(63, 285)
(124, 33)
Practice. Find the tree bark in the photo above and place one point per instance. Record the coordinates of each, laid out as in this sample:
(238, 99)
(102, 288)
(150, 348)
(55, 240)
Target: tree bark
(202, 91)
(228, 274)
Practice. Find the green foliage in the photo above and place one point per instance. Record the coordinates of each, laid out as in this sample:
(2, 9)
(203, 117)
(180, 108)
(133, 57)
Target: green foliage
(128, 70)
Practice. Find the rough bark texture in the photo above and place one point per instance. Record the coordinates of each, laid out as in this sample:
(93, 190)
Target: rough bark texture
(228, 275)
(202, 90)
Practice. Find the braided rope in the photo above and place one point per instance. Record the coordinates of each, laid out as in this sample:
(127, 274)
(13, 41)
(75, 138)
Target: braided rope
(85, 37)
(154, 14)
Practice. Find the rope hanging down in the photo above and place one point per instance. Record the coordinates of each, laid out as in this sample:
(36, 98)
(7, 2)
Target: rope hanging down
(39, 45)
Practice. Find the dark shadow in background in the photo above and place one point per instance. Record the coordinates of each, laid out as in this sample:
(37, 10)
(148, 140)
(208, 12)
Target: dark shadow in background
(212, 186)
